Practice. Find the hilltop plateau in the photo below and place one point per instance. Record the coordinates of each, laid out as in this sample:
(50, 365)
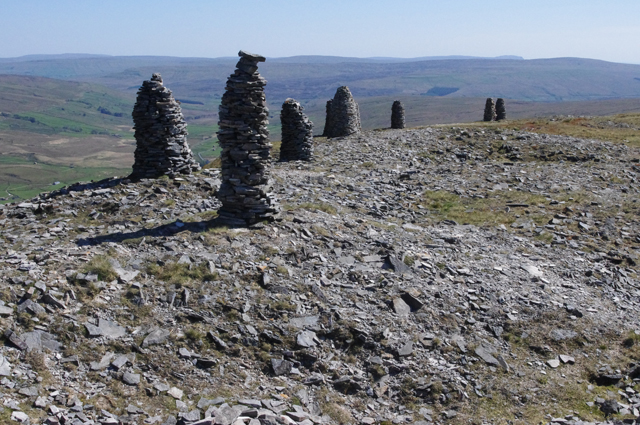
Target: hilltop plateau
(481, 273)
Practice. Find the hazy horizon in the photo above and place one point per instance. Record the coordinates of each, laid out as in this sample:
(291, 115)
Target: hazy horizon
(281, 28)
(233, 57)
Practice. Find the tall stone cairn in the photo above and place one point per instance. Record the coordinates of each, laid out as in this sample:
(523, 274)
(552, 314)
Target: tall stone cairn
(161, 133)
(343, 114)
(297, 133)
(501, 112)
(489, 110)
(397, 115)
(246, 151)
(328, 124)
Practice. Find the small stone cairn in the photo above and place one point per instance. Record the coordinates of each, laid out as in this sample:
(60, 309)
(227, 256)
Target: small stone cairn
(327, 124)
(489, 110)
(161, 134)
(343, 114)
(397, 115)
(501, 112)
(297, 135)
(246, 151)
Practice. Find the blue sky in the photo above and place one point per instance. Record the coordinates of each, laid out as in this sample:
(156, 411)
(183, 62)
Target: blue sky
(402, 28)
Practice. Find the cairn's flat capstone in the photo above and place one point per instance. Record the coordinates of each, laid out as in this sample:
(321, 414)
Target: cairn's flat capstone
(297, 133)
(245, 191)
(343, 114)
(161, 133)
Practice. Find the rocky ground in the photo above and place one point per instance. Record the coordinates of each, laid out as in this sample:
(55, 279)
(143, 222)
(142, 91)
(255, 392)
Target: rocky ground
(438, 275)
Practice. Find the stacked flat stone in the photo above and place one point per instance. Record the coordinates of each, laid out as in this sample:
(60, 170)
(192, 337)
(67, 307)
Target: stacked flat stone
(397, 115)
(489, 110)
(297, 133)
(161, 133)
(501, 112)
(343, 114)
(327, 123)
(246, 151)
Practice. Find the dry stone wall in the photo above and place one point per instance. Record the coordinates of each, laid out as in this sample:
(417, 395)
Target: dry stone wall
(297, 133)
(161, 133)
(489, 110)
(246, 151)
(397, 115)
(343, 115)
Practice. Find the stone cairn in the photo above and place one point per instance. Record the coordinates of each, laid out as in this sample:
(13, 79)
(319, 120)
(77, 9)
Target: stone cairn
(343, 115)
(501, 112)
(246, 151)
(161, 134)
(297, 136)
(397, 115)
(489, 110)
(327, 124)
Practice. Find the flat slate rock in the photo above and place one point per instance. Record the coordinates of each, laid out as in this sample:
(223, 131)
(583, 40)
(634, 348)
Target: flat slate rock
(131, 378)
(305, 339)
(406, 349)
(38, 340)
(485, 354)
(553, 363)
(562, 334)
(532, 270)
(5, 366)
(301, 322)
(400, 307)
(156, 337)
(281, 367)
(397, 265)
(111, 329)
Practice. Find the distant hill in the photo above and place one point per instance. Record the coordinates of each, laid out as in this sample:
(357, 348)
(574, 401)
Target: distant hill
(342, 59)
(317, 77)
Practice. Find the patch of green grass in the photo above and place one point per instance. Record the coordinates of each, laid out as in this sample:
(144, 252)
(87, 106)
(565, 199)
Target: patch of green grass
(21, 178)
(615, 128)
(409, 260)
(283, 305)
(314, 206)
(101, 266)
(208, 149)
(181, 274)
(194, 334)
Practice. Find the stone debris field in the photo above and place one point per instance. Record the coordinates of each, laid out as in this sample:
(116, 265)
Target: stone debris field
(454, 275)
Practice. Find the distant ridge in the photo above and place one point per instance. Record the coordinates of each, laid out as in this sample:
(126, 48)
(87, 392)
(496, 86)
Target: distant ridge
(307, 78)
(28, 58)
(381, 59)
